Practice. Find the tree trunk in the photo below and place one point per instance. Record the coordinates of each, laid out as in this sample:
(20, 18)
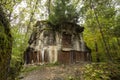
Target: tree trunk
(31, 16)
(96, 50)
(102, 34)
(49, 5)
(118, 41)
(5, 46)
(103, 38)
(118, 47)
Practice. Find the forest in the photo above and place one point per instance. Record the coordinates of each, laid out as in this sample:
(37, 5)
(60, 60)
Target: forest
(99, 18)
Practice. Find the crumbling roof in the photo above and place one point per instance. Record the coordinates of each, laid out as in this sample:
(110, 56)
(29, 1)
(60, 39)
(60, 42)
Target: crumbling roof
(63, 25)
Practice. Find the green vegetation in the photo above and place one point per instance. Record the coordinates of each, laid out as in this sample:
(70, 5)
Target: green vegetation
(100, 24)
(101, 19)
(101, 71)
(5, 45)
(63, 11)
(28, 69)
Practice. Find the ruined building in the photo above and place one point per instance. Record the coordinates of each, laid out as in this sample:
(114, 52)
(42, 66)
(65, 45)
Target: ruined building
(61, 43)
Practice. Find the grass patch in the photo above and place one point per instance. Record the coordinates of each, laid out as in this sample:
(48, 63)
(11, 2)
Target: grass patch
(30, 68)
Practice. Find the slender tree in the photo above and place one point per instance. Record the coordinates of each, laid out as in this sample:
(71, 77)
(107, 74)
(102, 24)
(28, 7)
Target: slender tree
(100, 16)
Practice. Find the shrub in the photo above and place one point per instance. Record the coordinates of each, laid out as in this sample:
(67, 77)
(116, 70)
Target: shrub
(101, 71)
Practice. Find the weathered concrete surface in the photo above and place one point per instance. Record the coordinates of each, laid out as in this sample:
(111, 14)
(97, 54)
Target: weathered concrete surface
(61, 43)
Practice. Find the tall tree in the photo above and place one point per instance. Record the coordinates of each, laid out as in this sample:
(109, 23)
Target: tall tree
(5, 45)
(99, 17)
(63, 11)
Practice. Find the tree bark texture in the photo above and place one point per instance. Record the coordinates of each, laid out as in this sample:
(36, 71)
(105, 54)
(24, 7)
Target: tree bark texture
(5, 46)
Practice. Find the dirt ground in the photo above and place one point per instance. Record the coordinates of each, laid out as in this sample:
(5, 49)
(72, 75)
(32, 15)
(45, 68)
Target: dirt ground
(60, 72)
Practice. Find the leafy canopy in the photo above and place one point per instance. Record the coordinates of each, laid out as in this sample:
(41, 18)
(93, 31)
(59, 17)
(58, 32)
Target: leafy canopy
(63, 11)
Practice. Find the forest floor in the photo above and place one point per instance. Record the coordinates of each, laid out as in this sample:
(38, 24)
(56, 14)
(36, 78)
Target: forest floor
(53, 72)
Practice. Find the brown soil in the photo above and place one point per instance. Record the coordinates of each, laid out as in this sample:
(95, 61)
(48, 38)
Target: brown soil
(61, 72)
